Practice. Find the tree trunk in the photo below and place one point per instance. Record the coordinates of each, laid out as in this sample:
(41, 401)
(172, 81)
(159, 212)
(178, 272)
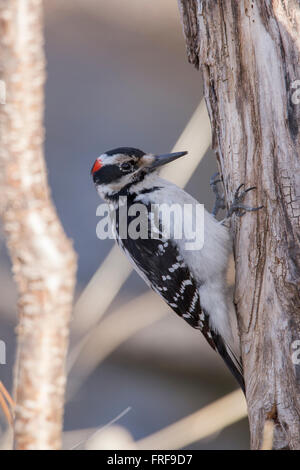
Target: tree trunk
(42, 257)
(249, 55)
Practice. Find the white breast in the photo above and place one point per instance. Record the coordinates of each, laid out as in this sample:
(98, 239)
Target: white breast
(209, 264)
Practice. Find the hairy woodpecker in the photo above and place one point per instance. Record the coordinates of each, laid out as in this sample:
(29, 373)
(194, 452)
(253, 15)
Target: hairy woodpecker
(192, 282)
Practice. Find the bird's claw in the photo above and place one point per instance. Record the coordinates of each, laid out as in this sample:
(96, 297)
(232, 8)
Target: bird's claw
(220, 199)
(214, 179)
(237, 204)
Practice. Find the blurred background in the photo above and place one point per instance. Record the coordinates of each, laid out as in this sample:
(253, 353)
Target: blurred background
(118, 76)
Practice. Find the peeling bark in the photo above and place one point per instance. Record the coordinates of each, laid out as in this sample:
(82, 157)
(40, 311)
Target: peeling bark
(249, 55)
(43, 259)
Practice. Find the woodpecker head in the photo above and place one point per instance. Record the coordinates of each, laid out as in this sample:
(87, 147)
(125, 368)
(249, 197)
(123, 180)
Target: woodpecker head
(115, 171)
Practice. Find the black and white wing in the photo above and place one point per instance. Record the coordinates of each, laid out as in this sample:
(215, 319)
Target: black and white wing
(160, 264)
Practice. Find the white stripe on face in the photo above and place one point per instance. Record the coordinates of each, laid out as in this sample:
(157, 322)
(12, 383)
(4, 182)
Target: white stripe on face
(114, 159)
(118, 158)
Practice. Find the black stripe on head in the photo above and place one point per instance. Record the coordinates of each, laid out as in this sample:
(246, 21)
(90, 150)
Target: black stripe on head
(130, 151)
(107, 174)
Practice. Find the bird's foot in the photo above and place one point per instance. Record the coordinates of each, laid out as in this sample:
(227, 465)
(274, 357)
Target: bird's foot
(237, 205)
(220, 198)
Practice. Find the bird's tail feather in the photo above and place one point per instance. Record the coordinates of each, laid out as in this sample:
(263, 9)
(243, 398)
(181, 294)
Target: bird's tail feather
(232, 361)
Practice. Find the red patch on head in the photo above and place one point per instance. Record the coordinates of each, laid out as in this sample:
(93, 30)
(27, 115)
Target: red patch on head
(97, 166)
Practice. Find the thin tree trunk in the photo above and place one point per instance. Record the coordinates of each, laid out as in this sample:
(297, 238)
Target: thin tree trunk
(42, 257)
(249, 55)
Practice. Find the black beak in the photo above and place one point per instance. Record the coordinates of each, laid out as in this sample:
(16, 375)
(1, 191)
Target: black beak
(160, 160)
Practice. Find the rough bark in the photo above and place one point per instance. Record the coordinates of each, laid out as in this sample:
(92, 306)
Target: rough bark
(249, 55)
(42, 257)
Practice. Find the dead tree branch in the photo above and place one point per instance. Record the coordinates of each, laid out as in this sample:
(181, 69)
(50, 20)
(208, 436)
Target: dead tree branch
(43, 260)
(249, 55)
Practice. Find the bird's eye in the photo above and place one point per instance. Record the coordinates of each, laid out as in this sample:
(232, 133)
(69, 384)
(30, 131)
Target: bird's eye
(126, 166)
